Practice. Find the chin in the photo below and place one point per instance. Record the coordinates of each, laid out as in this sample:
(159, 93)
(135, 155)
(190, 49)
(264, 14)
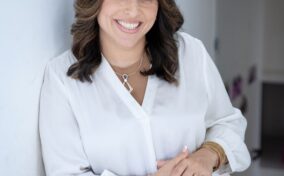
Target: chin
(128, 44)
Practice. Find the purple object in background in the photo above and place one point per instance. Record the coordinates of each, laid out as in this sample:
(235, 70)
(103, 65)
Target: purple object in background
(237, 87)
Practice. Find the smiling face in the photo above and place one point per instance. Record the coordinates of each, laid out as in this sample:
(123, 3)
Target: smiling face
(125, 22)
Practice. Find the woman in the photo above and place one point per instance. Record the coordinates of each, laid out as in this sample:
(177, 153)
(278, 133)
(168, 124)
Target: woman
(132, 93)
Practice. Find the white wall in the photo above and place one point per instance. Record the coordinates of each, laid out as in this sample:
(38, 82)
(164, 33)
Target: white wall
(200, 20)
(31, 32)
(273, 63)
(240, 32)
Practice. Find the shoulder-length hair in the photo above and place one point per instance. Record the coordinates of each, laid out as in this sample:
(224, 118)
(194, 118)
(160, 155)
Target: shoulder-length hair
(161, 45)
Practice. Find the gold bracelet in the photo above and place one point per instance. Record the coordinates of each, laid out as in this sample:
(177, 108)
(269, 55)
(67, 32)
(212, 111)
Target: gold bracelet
(215, 147)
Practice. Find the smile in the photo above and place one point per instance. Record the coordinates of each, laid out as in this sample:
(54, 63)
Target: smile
(128, 27)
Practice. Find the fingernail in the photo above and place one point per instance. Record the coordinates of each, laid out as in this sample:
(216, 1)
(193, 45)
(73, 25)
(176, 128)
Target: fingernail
(184, 148)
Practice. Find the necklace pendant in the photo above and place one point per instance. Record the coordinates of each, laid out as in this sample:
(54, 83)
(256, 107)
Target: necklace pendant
(125, 77)
(129, 87)
(126, 83)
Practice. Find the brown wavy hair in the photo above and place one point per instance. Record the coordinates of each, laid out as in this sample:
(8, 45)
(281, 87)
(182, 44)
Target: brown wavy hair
(161, 45)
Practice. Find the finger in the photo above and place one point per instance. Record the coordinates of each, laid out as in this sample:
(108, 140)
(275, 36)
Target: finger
(180, 168)
(188, 172)
(179, 157)
(161, 163)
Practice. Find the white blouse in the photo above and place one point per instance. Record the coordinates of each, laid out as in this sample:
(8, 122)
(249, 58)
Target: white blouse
(100, 129)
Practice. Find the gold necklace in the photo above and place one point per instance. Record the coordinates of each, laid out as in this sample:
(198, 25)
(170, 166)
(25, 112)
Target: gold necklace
(125, 76)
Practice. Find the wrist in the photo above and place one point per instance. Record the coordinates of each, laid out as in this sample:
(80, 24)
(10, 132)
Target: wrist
(217, 150)
(212, 156)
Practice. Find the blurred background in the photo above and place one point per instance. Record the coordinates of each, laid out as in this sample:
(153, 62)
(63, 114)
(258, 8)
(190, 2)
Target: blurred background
(246, 40)
(244, 37)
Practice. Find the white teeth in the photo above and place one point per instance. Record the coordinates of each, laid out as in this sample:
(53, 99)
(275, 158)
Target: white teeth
(126, 25)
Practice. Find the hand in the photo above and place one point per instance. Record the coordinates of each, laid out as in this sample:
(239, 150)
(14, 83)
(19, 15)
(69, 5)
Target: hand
(200, 163)
(168, 167)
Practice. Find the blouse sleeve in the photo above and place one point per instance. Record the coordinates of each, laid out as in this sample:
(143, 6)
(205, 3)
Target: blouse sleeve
(62, 149)
(225, 124)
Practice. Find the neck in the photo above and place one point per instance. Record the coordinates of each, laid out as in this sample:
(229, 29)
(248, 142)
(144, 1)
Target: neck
(119, 56)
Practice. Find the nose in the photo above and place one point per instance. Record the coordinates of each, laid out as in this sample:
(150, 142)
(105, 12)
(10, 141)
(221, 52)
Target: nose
(132, 8)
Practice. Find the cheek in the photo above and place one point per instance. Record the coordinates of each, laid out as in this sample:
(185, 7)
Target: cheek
(152, 15)
(107, 10)
(104, 18)
(101, 21)
(154, 12)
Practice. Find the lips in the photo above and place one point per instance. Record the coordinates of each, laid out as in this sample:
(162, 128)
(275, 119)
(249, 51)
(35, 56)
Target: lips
(128, 27)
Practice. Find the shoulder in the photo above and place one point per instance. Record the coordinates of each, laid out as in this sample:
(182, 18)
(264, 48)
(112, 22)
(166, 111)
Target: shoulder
(58, 66)
(188, 42)
(61, 62)
(185, 37)
(191, 50)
